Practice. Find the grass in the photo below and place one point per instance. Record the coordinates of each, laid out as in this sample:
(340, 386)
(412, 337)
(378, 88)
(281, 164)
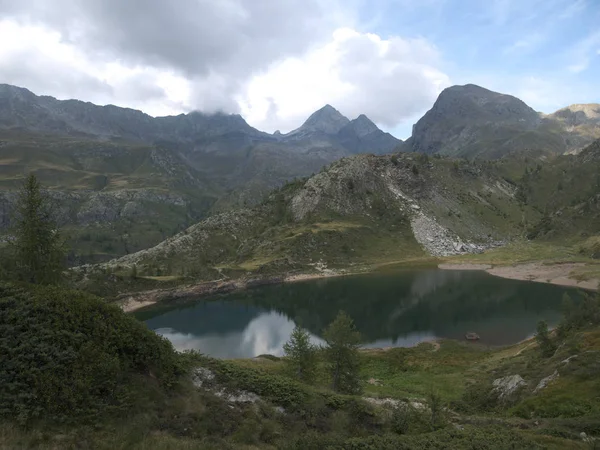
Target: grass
(519, 252)
(166, 278)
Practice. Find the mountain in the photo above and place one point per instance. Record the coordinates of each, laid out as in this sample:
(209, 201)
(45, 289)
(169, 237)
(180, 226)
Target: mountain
(360, 210)
(328, 127)
(581, 123)
(471, 121)
(117, 171)
(367, 210)
(361, 135)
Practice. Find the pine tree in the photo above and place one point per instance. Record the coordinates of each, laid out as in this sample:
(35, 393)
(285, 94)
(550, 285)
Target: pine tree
(343, 342)
(301, 355)
(37, 248)
(547, 346)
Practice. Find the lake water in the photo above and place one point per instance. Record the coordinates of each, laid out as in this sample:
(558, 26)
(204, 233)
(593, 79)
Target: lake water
(401, 308)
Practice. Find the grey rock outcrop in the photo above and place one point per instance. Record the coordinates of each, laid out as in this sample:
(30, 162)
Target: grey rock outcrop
(544, 382)
(508, 386)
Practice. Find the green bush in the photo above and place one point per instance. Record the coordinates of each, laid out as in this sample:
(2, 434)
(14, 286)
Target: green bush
(68, 356)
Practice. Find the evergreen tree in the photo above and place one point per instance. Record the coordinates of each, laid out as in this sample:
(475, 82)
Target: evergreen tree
(37, 249)
(301, 355)
(343, 342)
(547, 346)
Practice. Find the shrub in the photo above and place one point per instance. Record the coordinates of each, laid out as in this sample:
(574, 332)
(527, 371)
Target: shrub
(68, 356)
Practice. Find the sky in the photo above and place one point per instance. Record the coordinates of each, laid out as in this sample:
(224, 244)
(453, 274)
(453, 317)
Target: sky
(277, 61)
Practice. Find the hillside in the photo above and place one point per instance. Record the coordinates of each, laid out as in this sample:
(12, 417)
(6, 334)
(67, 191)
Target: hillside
(130, 389)
(363, 209)
(470, 121)
(123, 181)
(369, 210)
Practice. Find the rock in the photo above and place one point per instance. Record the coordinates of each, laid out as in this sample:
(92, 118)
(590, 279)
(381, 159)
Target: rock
(201, 376)
(545, 381)
(472, 336)
(505, 387)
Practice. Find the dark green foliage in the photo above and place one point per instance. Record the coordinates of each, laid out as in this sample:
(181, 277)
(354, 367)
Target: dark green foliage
(342, 354)
(546, 344)
(301, 355)
(580, 315)
(67, 356)
(37, 250)
(481, 438)
(521, 194)
(436, 409)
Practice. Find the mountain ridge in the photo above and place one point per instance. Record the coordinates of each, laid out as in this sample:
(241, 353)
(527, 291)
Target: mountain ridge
(471, 121)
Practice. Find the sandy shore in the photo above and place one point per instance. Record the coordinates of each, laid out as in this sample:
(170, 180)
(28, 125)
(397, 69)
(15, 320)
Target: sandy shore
(559, 274)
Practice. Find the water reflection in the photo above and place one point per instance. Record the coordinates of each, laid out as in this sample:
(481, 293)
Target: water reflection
(391, 309)
(264, 334)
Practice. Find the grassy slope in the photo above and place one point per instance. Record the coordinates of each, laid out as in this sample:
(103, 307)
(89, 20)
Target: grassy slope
(75, 164)
(460, 373)
(357, 221)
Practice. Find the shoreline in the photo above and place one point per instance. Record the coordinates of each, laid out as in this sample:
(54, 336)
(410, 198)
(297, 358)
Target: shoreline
(557, 274)
(131, 302)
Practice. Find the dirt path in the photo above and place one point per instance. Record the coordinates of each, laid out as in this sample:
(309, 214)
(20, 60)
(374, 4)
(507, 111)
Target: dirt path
(559, 274)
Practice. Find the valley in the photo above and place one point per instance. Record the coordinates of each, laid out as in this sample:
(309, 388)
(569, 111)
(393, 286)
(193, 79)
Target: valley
(300, 225)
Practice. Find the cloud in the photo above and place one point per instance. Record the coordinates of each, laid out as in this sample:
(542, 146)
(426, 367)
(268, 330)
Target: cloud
(389, 80)
(216, 46)
(582, 52)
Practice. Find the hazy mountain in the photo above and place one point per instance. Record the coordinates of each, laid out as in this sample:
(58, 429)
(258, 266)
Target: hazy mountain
(581, 123)
(470, 121)
(328, 127)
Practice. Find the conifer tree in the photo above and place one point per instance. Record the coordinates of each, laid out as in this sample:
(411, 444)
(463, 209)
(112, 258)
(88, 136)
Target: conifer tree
(343, 342)
(301, 355)
(37, 250)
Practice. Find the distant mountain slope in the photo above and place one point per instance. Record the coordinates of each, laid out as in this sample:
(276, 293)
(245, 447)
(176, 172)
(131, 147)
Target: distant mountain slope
(328, 127)
(581, 123)
(108, 161)
(470, 121)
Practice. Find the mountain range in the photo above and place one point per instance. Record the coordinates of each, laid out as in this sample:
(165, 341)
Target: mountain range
(123, 180)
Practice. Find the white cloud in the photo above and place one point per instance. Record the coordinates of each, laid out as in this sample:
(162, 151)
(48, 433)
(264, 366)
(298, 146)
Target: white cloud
(581, 53)
(389, 80)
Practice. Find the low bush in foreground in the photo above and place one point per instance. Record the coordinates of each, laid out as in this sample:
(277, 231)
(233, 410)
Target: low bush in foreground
(68, 356)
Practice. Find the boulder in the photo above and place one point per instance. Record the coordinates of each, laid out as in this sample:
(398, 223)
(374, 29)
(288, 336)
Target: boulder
(505, 387)
(546, 381)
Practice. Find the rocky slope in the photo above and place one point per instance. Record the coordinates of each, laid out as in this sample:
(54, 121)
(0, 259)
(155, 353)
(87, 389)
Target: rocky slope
(470, 121)
(581, 123)
(363, 209)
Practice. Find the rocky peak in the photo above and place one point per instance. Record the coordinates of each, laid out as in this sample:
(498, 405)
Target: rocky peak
(363, 126)
(327, 120)
(579, 114)
(464, 118)
(474, 102)
(8, 91)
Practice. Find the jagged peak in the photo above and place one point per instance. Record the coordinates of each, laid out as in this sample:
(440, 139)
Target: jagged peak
(327, 119)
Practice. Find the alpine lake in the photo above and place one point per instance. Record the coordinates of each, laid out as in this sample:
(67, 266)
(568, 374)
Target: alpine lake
(390, 309)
